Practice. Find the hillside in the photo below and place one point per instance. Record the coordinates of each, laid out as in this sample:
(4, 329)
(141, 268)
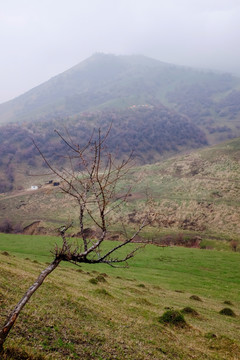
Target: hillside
(99, 312)
(210, 100)
(151, 132)
(198, 191)
(193, 194)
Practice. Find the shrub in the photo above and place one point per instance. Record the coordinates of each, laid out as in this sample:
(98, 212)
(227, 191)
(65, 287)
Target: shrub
(195, 297)
(6, 226)
(103, 292)
(18, 228)
(228, 302)
(104, 274)
(210, 335)
(101, 278)
(234, 245)
(189, 311)
(5, 253)
(93, 281)
(227, 312)
(173, 317)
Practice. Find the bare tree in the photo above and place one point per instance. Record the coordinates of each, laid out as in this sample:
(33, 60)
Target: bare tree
(90, 179)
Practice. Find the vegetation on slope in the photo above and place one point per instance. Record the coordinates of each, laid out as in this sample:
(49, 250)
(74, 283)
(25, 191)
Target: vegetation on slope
(152, 132)
(195, 194)
(74, 317)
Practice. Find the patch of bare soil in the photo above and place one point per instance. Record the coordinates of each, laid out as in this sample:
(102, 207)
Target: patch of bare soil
(35, 228)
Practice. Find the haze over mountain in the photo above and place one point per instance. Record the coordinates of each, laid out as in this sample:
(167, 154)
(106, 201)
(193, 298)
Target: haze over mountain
(209, 99)
(156, 109)
(41, 38)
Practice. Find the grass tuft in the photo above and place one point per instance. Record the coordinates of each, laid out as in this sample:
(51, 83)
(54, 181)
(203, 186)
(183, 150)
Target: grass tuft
(228, 302)
(227, 312)
(93, 281)
(210, 335)
(13, 353)
(189, 311)
(104, 274)
(103, 292)
(5, 253)
(101, 278)
(143, 301)
(173, 317)
(195, 297)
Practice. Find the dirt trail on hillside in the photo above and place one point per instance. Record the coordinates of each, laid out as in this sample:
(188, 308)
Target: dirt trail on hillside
(17, 193)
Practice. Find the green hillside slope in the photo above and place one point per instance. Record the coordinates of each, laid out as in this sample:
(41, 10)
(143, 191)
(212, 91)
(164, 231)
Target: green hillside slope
(72, 316)
(196, 193)
(199, 191)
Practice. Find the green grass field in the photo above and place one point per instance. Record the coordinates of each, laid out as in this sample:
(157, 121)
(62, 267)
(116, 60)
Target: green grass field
(206, 272)
(71, 317)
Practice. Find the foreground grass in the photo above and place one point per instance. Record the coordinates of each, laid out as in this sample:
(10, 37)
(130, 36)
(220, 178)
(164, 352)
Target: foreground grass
(72, 316)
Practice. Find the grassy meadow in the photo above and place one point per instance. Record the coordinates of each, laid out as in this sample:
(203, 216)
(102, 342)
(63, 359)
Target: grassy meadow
(100, 312)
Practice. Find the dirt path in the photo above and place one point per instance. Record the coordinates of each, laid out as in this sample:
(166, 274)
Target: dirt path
(17, 193)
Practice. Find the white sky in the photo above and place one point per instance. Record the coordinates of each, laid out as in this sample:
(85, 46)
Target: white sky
(41, 38)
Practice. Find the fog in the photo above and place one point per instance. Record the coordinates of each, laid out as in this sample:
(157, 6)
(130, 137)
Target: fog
(40, 39)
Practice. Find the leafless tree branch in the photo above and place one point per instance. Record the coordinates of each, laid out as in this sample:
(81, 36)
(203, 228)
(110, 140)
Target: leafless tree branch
(90, 179)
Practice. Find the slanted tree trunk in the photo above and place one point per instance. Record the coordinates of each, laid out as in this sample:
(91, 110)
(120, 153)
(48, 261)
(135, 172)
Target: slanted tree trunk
(90, 180)
(14, 314)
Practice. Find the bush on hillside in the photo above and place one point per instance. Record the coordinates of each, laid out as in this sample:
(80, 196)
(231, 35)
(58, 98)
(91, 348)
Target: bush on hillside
(195, 297)
(189, 311)
(228, 302)
(234, 245)
(227, 312)
(7, 227)
(173, 317)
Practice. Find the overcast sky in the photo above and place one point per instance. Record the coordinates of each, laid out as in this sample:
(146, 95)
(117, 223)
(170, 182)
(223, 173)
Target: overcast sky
(41, 38)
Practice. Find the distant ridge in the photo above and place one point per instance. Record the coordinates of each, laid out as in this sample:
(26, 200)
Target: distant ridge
(210, 100)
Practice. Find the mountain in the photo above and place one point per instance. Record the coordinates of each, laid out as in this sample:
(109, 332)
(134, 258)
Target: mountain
(209, 99)
(153, 108)
(101, 80)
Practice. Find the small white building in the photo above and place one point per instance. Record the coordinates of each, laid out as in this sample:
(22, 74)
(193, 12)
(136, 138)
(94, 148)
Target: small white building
(34, 187)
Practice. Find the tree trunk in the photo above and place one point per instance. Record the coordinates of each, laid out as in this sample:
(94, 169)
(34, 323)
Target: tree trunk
(16, 311)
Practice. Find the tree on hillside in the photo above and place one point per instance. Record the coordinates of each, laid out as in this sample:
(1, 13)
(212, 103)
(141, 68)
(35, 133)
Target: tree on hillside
(90, 180)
